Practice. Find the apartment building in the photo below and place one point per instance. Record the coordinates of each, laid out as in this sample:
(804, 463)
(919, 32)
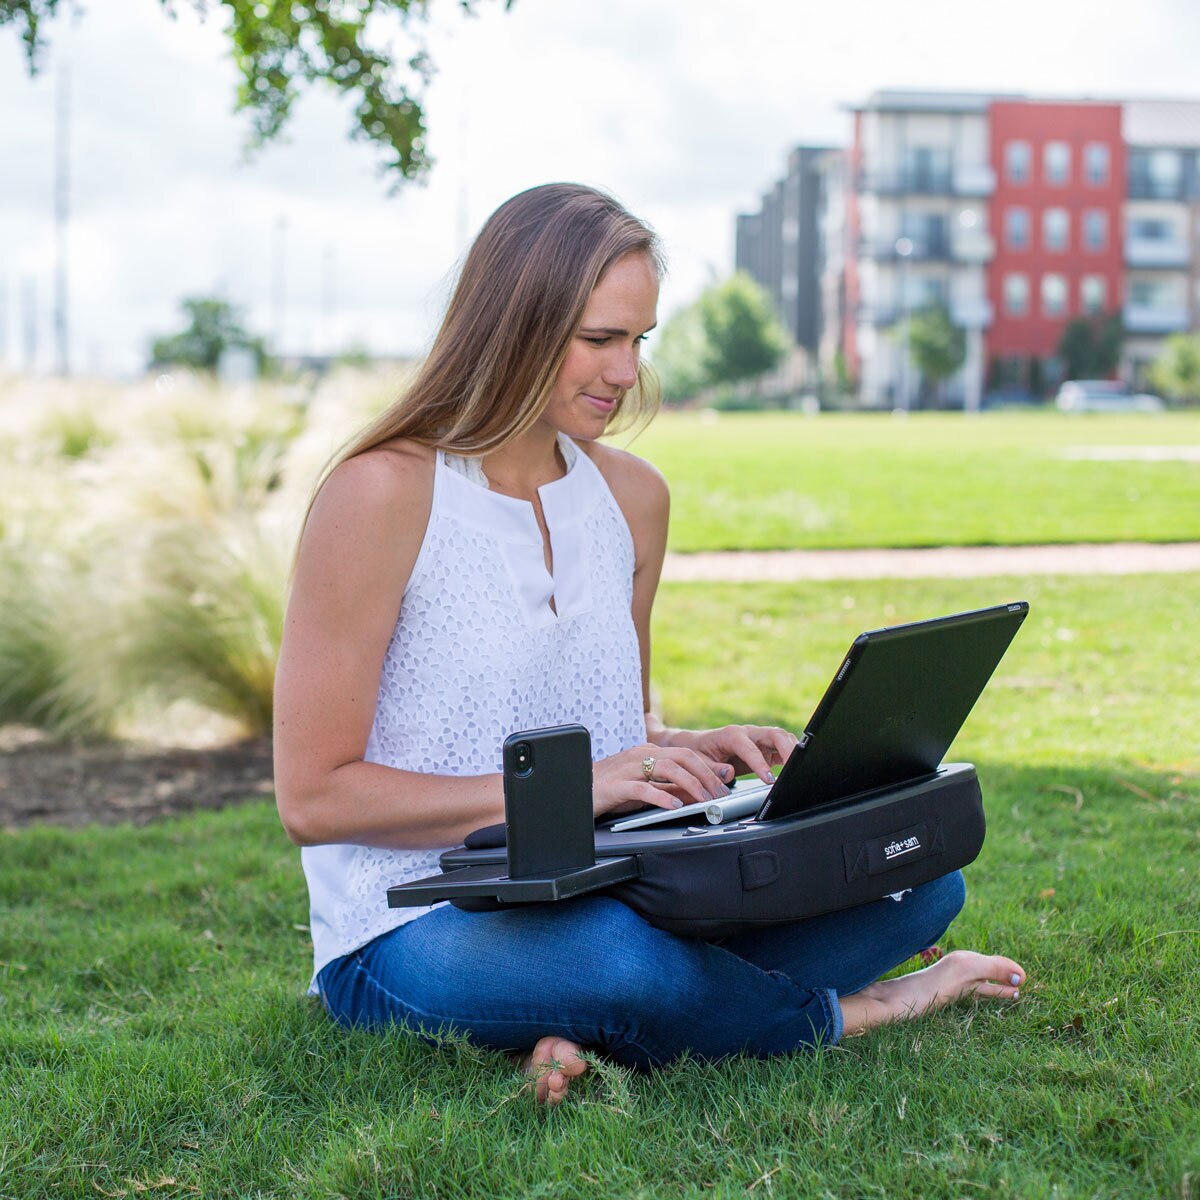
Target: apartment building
(779, 246)
(1162, 226)
(1016, 214)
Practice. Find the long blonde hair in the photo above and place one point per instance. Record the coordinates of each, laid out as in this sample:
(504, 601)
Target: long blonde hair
(515, 308)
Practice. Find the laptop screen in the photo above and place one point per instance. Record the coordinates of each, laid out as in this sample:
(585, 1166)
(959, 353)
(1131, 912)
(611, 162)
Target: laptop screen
(895, 705)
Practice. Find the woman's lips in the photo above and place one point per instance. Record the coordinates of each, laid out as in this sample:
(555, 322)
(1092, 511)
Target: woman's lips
(603, 403)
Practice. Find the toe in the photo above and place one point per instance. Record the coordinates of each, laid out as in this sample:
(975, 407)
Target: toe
(568, 1058)
(1005, 970)
(553, 1063)
(551, 1088)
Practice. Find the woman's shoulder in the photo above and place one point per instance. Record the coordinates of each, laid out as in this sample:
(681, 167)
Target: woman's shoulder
(637, 485)
(384, 494)
(394, 472)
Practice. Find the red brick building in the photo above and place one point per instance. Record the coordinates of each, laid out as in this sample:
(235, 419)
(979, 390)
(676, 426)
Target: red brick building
(1056, 218)
(1016, 214)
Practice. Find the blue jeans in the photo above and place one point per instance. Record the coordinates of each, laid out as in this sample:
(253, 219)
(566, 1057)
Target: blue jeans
(593, 971)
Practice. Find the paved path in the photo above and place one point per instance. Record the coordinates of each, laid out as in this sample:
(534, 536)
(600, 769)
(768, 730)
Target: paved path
(940, 562)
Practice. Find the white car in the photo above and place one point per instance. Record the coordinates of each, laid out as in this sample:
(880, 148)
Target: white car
(1103, 395)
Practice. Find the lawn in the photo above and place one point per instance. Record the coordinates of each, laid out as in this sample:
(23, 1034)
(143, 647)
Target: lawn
(783, 480)
(154, 1040)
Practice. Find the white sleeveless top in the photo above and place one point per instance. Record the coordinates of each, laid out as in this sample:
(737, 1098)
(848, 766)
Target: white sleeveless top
(478, 653)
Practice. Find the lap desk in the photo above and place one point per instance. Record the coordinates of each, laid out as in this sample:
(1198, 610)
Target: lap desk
(863, 808)
(716, 880)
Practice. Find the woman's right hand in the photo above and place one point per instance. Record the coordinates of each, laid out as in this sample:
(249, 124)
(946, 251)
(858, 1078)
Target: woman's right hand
(678, 777)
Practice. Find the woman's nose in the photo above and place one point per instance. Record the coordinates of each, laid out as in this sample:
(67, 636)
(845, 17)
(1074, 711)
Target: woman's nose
(622, 369)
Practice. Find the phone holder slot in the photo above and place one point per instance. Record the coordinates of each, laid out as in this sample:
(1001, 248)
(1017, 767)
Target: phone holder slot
(490, 881)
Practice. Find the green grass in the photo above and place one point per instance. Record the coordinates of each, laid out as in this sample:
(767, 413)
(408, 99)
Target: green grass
(780, 481)
(154, 1040)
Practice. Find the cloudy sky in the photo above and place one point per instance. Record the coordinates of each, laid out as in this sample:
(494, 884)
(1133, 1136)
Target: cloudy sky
(684, 108)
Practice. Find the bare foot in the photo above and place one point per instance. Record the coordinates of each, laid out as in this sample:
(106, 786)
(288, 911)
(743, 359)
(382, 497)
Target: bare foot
(960, 974)
(553, 1063)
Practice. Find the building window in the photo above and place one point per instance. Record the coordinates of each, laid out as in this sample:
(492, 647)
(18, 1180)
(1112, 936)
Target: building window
(1151, 229)
(927, 168)
(926, 231)
(1166, 170)
(1157, 293)
(1155, 175)
(1095, 229)
(1056, 229)
(1093, 294)
(924, 291)
(1056, 163)
(1016, 228)
(1016, 295)
(1018, 159)
(1096, 164)
(1054, 295)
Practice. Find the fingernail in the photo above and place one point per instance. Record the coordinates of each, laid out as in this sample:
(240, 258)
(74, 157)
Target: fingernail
(676, 803)
(727, 771)
(1014, 979)
(1016, 995)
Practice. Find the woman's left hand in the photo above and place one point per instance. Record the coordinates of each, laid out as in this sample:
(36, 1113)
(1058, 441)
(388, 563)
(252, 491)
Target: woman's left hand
(752, 749)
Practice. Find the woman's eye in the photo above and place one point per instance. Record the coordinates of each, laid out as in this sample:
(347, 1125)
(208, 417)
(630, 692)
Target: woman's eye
(603, 341)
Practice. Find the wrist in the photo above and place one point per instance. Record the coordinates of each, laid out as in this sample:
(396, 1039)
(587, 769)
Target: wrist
(674, 737)
(660, 734)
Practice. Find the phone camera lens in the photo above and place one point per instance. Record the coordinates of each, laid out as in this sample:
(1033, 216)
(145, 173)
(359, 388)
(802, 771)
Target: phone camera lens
(523, 755)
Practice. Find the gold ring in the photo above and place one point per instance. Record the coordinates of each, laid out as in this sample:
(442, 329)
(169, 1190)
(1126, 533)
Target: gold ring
(648, 768)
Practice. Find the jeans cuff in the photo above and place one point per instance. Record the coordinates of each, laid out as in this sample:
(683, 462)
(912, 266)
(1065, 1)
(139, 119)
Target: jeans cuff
(829, 998)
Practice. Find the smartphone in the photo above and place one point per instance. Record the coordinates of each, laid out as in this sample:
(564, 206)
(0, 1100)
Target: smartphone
(548, 801)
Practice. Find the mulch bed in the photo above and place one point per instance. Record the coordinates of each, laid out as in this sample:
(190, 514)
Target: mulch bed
(49, 782)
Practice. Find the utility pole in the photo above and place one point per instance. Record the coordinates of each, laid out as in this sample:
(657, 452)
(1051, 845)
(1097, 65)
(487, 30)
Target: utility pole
(328, 300)
(463, 231)
(61, 215)
(278, 285)
(904, 249)
(29, 323)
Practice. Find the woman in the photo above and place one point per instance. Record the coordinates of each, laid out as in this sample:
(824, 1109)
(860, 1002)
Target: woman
(477, 563)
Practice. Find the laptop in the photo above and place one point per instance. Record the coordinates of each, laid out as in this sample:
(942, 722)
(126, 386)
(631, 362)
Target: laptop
(896, 703)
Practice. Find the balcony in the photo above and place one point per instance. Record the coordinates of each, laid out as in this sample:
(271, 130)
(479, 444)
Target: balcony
(915, 181)
(1155, 318)
(1145, 188)
(877, 314)
(1157, 252)
(974, 180)
(966, 180)
(973, 246)
(970, 312)
(928, 249)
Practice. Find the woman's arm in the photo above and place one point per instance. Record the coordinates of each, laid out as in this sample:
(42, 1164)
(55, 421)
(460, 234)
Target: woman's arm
(355, 559)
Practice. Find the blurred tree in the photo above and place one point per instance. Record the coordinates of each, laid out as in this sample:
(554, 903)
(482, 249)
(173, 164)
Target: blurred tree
(743, 338)
(843, 377)
(1176, 371)
(1037, 377)
(678, 356)
(355, 356)
(281, 45)
(213, 326)
(1090, 347)
(936, 345)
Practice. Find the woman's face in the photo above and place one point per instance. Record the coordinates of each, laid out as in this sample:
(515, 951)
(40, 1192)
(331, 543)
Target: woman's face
(602, 360)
